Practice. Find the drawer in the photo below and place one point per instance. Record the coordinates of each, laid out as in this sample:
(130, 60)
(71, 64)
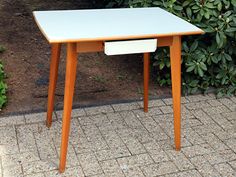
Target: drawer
(130, 46)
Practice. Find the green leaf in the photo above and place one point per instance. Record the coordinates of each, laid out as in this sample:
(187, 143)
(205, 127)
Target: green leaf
(203, 66)
(162, 64)
(191, 68)
(233, 2)
(200, 72)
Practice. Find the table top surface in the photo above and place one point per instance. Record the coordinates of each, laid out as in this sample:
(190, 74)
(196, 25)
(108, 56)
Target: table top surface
(111, 24)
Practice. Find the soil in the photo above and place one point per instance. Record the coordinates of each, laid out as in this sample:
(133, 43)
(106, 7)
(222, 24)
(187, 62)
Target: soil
(100, 79)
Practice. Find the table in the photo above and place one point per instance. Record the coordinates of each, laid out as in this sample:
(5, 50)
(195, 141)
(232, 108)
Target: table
(83, 31)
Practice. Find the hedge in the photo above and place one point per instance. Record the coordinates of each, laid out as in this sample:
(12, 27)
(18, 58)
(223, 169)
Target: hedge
(208, 61)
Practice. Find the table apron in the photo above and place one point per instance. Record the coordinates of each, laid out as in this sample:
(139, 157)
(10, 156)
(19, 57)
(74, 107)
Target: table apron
(98, 46)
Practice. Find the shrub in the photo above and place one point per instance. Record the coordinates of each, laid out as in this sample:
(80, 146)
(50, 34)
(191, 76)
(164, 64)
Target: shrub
(208, 60)
(3, 85)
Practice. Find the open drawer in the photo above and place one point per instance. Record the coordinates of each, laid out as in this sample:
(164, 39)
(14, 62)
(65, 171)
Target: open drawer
(130, 46)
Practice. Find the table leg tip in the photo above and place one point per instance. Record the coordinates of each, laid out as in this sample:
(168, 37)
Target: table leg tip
(48, 124)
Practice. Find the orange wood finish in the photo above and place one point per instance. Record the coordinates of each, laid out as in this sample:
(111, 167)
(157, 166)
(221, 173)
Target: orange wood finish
(98, 46)
(55, 55)
(175, 60)
(85, 47)
(146, 65)
(71, 63)
(81, 47)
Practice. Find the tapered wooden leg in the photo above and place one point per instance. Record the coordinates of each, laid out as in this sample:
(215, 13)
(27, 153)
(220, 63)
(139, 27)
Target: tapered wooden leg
(146, 65)
(71, 63)
(55, 55)
(175, 58)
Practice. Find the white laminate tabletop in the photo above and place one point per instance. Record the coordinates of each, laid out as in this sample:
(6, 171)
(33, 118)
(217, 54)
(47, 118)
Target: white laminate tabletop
(111, 24)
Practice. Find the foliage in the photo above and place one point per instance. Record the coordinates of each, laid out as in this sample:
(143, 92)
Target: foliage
(208, 60)
(3, 85)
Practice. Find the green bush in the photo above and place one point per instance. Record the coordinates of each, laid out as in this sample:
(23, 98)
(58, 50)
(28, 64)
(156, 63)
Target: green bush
(3, 85)
(208, 60)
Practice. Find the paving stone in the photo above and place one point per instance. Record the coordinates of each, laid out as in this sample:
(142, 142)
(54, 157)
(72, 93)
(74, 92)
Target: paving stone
(98, 110)
(216, 110)
(153, 103)
(83, 146)
(160, 156)
(75, 171)
(15, 171)
(198, 97)
(113, 140)
(169, 101)
(135, 160)
(1, 172)
(37, 117)
(132, 172)
(131, 120)
(8, 140)
(204, 167)
(190, 173)
(111, 167)
(192, 136)
(215, 158)
(125, 143)
(229, 154)
(231, 143)
(76, 132)
(203, 117)
(225, 135)
(159, 169)
(197, 150)
(39, 166)
(208, 128)
(35, 175)
(166, 109)
(229, 115)
(89, 164)
(166, 144)
(228, 103)
(225, 170)
(180, 160)
(72, 160)
(134, 146)
(214, 141)
(45, 146)
(233, 164)
(75, 113)
(153, 128)
(151, 112)
(197, 105)
(12, 120)
(117, 121)
(214, 102)
(100, 120)
(125, 106)
(223, 122)
(108, 154)
(19, 158)
(233, 98)
(191, 122)
(152, 147)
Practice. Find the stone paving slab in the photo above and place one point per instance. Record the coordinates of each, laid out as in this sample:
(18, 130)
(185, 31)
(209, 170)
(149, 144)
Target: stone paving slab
(121, 140)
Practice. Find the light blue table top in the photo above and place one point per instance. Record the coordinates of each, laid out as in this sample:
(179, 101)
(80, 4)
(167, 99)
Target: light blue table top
(111, 24)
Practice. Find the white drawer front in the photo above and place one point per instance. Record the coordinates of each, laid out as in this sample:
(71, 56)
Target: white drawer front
(130, 46)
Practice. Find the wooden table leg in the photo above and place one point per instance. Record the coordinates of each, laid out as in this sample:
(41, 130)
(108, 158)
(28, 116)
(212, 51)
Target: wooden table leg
(146, 65)
(55, 55)
(175, 58)
(71, 63)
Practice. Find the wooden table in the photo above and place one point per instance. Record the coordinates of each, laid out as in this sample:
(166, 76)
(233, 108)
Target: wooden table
(137, 30)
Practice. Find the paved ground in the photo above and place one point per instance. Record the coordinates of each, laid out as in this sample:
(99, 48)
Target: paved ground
(121, 140)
